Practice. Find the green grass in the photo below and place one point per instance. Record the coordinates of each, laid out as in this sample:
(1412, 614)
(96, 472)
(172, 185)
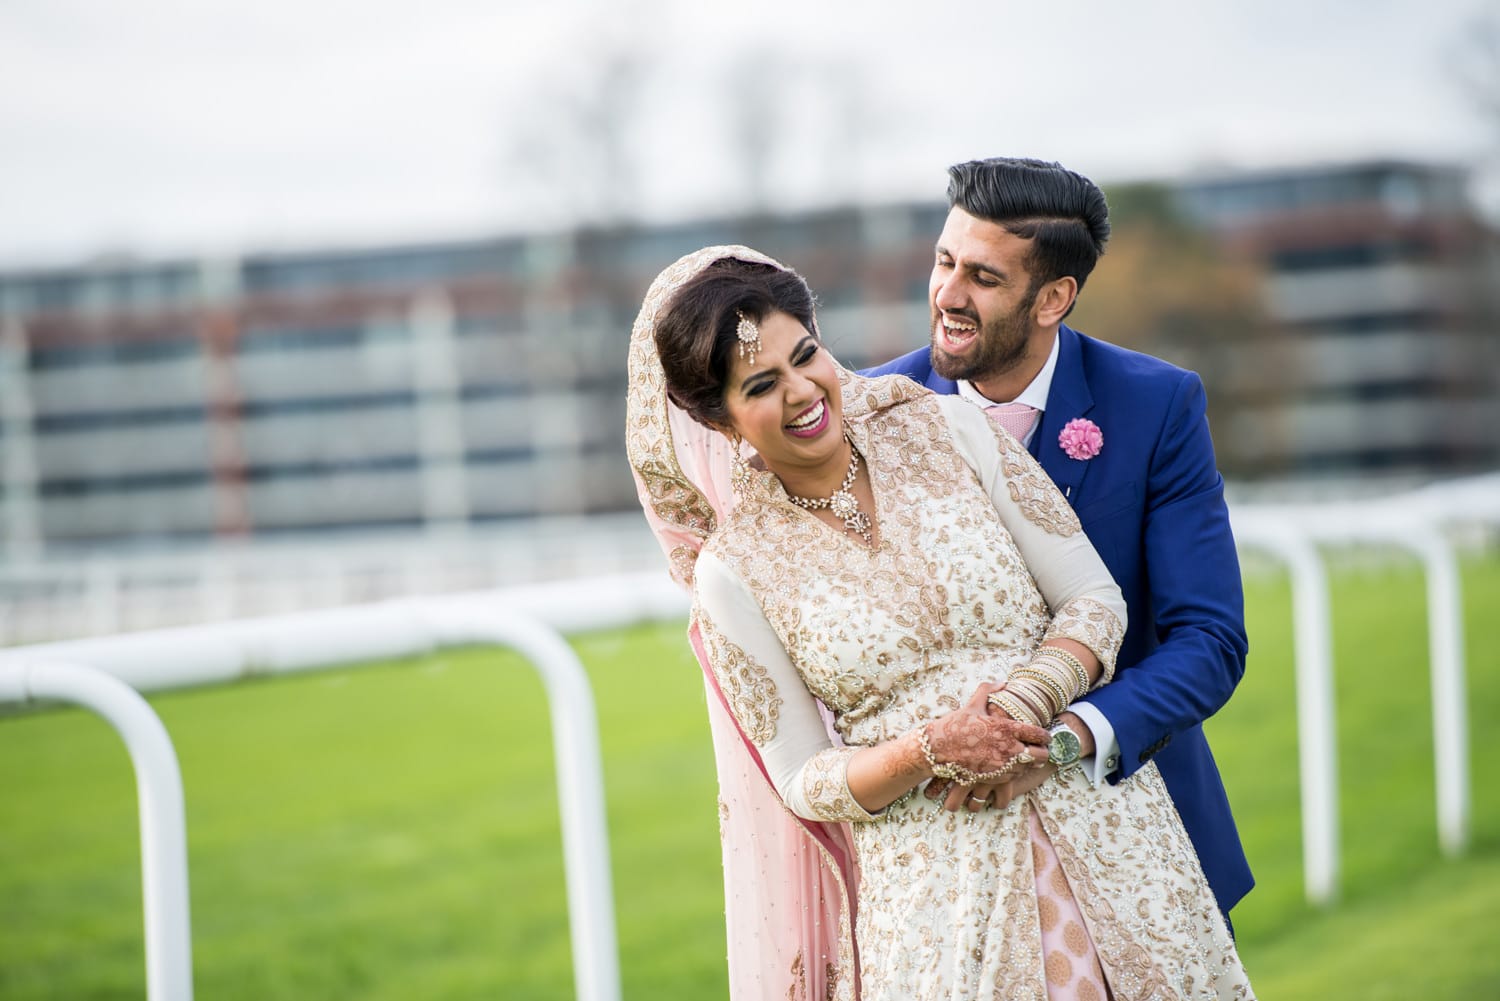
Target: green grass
(1409, 923)
(391, 831)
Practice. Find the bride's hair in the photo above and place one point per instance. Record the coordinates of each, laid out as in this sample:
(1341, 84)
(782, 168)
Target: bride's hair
(695, 331)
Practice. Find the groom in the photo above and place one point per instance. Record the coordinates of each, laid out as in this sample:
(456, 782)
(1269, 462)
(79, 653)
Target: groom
(1124, 436)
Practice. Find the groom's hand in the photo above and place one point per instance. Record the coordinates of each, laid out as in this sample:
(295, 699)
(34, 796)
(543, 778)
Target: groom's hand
(992, 797)
(1029, 777)
(999, 795)
(1021, 783)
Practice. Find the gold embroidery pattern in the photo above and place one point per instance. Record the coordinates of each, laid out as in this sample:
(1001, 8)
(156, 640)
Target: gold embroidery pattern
(1164, 941)
(825, 784)
(895, 636)
(830, 982)
(682, 561)
(860, 625)
(746, 685)
(1086, 621)
(842, 988)
(798, 990)
(1030, 487)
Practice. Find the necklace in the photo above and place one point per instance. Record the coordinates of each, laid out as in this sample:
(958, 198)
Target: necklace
(843, 503)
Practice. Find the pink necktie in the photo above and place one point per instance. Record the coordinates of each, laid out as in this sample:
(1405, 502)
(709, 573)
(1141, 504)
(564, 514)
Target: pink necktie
(1017, 418)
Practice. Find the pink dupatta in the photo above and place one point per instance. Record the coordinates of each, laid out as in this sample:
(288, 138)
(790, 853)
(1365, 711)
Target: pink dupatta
(789, 884)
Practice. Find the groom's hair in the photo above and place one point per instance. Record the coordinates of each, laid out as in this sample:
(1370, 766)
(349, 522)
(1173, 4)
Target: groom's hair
(696, 331)
(1062, 212)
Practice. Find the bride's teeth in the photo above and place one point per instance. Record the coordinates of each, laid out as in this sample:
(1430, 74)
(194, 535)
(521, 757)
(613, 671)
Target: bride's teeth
(809, 420)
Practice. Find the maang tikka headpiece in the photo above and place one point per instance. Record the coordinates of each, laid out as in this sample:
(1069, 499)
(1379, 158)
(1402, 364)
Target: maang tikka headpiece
(749, 335)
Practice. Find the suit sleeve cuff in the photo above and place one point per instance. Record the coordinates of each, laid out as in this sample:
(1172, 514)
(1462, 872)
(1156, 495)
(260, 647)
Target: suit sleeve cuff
(1106, 757)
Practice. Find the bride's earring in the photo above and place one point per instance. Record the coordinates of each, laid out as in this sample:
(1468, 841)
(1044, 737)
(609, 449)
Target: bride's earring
(739, 469)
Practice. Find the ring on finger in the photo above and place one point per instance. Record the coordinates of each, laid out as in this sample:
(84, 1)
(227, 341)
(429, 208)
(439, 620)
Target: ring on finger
(985, 801)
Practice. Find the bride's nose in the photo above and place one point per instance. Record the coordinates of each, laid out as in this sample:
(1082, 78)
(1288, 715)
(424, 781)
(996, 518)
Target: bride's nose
(801, 389)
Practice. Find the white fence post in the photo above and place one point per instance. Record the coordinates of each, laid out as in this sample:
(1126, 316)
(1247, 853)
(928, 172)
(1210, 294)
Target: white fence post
(1450, 718)
(1445, 638)
(1317, 751)
(580, 780)
(164, 872)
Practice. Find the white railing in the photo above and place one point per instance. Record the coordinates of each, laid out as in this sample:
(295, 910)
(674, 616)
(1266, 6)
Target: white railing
(64, 597)
(526, 620)
(164, 868)
(1415, 523)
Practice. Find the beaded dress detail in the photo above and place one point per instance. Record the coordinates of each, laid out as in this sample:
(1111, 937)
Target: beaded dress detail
(978, 560)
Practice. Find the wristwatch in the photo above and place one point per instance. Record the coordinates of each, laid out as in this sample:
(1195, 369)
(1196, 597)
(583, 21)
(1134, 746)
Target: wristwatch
(1064, 748)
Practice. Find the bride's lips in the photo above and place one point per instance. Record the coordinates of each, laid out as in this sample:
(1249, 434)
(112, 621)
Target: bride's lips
(811, 422)
(954, 334)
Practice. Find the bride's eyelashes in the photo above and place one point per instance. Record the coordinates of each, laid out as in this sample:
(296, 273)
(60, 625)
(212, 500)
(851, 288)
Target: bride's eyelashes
(804, 355)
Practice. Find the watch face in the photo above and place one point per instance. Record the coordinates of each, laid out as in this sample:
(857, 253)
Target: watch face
(1064, 747)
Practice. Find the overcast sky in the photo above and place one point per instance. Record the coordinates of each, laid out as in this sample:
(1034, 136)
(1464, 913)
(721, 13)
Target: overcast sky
(204, 126)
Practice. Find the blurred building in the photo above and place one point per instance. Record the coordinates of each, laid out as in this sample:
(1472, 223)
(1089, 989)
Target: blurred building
(361, 391)
(1382, 283)
(472, 383)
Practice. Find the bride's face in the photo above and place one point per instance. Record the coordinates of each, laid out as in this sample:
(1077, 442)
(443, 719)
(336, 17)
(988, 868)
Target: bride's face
(787, 405)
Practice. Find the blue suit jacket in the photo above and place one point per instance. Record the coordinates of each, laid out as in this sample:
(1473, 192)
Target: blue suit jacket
(1152, 503)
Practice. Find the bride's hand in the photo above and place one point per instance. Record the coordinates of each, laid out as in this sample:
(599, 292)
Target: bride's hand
(999, 795)
(977, 741)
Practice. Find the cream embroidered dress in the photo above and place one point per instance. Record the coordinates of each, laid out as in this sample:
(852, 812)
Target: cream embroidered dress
(978, 560)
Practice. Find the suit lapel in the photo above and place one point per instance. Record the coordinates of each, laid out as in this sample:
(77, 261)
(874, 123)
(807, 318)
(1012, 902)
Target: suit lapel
(1067, 398)
(938, 384)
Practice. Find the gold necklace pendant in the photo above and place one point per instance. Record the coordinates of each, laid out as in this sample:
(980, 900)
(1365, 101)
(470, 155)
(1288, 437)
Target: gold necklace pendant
(843, 504)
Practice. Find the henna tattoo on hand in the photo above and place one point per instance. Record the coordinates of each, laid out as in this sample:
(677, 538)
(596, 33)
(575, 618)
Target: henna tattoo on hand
(979, 742)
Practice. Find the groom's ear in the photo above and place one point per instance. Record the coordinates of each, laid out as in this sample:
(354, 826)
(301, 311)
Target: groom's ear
(1054, 299)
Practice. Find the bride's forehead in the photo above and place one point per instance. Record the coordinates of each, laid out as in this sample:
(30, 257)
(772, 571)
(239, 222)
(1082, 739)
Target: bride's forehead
(783, 326)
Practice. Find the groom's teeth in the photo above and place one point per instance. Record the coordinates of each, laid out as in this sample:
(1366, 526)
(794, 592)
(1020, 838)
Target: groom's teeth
(958, 333)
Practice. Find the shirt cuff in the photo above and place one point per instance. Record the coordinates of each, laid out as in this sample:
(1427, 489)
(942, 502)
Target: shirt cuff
(1106, 757)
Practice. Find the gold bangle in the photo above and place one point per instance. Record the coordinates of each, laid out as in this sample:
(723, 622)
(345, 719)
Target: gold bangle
(1063, 674)
(1012, 707)
(1036, 695)
(1065, 677)
(1053, 686)
(1068, 660)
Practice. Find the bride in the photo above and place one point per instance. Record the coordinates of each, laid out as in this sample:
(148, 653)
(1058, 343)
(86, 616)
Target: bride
(892, 597)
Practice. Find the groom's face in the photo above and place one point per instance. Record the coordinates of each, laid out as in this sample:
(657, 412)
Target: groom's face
(981, 294)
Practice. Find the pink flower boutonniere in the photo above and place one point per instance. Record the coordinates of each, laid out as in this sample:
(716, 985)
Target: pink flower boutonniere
(1081, 438)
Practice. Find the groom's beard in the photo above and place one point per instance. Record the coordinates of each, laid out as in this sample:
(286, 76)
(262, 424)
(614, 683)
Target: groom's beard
(1000, 346)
